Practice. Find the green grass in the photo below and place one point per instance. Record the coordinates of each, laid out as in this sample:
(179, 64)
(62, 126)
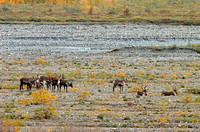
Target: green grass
(194, 91)
(193, 47)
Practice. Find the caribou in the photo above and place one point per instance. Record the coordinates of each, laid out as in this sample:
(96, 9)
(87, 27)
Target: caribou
(43, 80)
(144, 91)
(120, 84)
(27, 81)
(167, 93)
(65, 83)
(54, 82)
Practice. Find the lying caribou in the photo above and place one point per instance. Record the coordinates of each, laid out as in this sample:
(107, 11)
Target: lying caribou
(64, 83)
(120, 84)
(144, 91)
(167, 93)
(27, 81)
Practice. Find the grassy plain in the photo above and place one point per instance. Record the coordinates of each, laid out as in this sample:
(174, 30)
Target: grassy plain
(91, 105)
(184, 12)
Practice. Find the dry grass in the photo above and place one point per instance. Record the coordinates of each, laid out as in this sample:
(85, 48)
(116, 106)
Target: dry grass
(151, 11)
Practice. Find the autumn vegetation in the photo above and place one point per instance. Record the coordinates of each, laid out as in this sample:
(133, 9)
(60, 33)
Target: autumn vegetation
(92, 104)
(134, 11)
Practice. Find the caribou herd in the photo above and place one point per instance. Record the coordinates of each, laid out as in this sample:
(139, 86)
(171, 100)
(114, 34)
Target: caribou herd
(53, 83)
(45, 82)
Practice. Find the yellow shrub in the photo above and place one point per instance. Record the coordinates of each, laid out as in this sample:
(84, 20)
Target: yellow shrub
(14, 124)
(103, 109)
(5, 86)
(40, 96)
(136, 88)
(140, 73)
(40, 60)
(83, 95)
(74, 89)
(43, 96)
(85, 84)
(13, 86)
(195, 63)
(173, 75)
(139, 108)
(187, 98)
(188, 74)
(24, 101)
(15, 61)
(161, 119)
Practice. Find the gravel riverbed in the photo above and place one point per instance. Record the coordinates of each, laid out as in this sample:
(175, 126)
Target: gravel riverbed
(54, 39)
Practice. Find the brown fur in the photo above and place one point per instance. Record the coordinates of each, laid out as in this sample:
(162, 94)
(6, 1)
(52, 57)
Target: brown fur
(27, 81)
(54, 82)
(173, 93)
(144, 91)
(43, 80)
(120, 84)
(65, 83)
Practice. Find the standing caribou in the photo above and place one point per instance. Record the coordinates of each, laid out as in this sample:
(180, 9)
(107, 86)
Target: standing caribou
(27, 81)
(65, 83)
(120, 84)
(167, 93)
(43, 80)
(49, 82)
(55, 83)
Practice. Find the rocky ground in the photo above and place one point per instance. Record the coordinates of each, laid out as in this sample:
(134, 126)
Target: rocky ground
(99, 109)
(159, 70)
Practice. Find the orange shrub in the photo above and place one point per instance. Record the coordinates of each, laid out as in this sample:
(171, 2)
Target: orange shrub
(173, 75)
(22, 62)
(91, 74)
(163, 75)
(161, 119)
(121, 74)
(15, 61)
(40, 60)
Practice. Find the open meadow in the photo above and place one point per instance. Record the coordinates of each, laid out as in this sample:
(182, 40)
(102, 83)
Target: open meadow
(91, 104)
(184, 12)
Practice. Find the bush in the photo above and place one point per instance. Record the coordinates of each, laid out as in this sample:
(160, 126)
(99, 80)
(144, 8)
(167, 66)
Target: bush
(83, 95)
(187, 99)
(197, 100)
(124, 125)
(194, 91)
(81, 102)
(5, 8)
(45, 112)
(38, 97)
(126, 11)
(127, 118)
(101, 116)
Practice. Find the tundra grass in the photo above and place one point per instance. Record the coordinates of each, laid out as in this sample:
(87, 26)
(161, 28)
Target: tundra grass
(193, 47)
(154, 11)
